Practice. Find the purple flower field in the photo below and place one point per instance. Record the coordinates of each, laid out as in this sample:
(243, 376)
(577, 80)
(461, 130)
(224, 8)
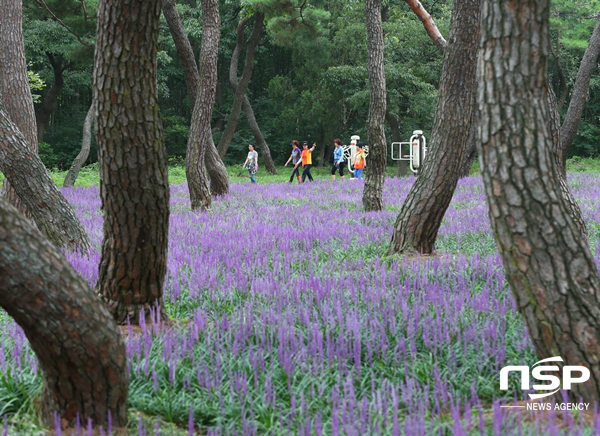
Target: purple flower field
(295, 322)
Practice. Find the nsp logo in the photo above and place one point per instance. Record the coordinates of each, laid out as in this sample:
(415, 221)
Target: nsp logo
(538, 373)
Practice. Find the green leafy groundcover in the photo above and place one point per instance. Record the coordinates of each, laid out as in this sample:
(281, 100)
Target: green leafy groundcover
(289, 318)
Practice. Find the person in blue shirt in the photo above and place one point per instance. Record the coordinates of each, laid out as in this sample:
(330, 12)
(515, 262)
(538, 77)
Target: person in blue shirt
(296, 158)
(338, 160)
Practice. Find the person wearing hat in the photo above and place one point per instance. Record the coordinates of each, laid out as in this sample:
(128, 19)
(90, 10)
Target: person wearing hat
(338, 159)
(307, 161)
(296, 158)
(359, 161)
(251, 163)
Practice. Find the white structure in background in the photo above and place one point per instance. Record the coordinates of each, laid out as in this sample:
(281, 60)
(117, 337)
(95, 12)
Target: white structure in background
(350, 152)
(413, 151)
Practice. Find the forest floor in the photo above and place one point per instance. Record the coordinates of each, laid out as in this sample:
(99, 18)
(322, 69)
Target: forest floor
(290, 319)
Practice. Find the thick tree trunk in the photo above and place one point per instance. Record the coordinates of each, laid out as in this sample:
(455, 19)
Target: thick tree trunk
(471, 151)
(422, 213)
(554, 133)
(86, 142)
(78, 346)
(14, 84)
(375, 177)
(579, 95)
(402, 165)
(28, 176)
(51, 100)
(219, 179)
(134, 183)
(428, 23)
(548, 264)
(239, 88)
(200, 132)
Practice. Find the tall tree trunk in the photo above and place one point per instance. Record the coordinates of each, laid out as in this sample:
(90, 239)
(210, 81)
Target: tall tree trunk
(200, 132)
(134, 184)
(239, 88)
(14, 84)
(422, 213)
(28, 176)
(554, 133)
(85, 148)
(549, 266)
(265, 152)
(78, 346)
(428, 23)
(219, 179)
(375, 177)
(579, 95)
(471, 151)
(402, 165)
(51, 100)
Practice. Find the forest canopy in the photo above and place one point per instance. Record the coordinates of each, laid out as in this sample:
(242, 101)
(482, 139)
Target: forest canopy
(309, 81)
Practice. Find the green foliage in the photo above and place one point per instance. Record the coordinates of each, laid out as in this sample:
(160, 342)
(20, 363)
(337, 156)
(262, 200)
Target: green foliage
(35, 84)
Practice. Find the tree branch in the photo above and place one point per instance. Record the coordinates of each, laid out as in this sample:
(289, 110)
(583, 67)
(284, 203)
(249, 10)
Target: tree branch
(428, 23)
(43, 4)
(84, 12)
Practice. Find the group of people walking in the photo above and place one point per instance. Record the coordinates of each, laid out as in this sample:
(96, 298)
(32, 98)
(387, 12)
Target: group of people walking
(304, 157)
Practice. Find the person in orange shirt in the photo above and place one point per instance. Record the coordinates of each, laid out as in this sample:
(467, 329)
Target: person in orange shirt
(359, 161)
(307, 161)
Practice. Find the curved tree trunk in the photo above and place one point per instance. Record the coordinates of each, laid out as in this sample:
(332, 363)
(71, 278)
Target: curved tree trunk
(219, 179)
(579, 95)
(134, 184)
(402, 165)
(14, 84)
(265, 152)
(51, 100)
(554, 134)
(375, 177)
(239, 88)
(78, 346)
(28, 176)
(422, 213)
(86, 141)
(428, 23)
(200, 132)
(548, 264)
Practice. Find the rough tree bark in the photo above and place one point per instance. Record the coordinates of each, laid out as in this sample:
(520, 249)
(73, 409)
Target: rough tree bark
(134, 184)
(51, 99)
(570, 125)
(375, 177)
(86, 141)
(200, 132)
(428, 23)
(471, 151)
(554, 133)
(219, 179)
(402, 165)
(14, 84)
(78, 346)
(549, 266)
(422, 213)
(30, 180)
